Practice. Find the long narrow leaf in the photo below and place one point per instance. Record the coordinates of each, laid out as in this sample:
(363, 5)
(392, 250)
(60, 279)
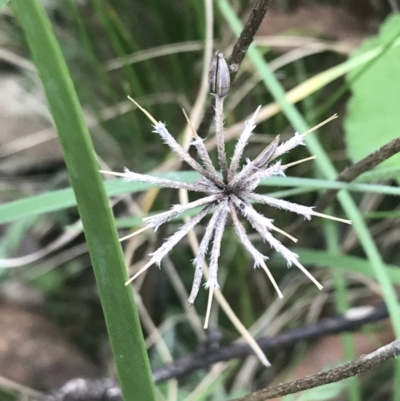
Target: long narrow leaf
(119, 309)
(64, 198)
(312, 257)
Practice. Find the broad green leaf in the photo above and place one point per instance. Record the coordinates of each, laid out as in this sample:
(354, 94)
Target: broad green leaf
(373, 117)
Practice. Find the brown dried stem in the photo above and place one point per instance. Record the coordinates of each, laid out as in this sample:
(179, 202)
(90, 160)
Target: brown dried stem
(363, 364)
(333, 325)
(352, 172)
(245, 39)
(87, 388)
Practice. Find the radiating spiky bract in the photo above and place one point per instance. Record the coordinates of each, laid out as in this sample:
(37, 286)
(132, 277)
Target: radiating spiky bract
(229, 195)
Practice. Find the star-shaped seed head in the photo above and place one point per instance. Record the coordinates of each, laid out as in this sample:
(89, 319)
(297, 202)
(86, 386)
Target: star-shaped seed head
(227, 196)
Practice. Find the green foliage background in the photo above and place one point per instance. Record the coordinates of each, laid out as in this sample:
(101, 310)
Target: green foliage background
(96, 35)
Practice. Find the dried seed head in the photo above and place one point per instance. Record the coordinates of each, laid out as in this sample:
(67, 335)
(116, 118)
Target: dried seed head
(219, 76)
(231, 195)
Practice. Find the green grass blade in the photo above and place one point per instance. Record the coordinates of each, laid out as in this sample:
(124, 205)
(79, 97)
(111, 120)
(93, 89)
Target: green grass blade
(333, 244)
(342, 306)
(64, 198)
(312, 257)
(119, 309)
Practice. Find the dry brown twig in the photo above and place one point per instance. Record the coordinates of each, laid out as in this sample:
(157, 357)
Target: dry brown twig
(350, 321)
(355, 170)
(239, 51)
(107, 389)
(363, 364)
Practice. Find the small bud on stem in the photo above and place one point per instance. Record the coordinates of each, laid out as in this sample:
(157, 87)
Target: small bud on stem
(219, 77)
